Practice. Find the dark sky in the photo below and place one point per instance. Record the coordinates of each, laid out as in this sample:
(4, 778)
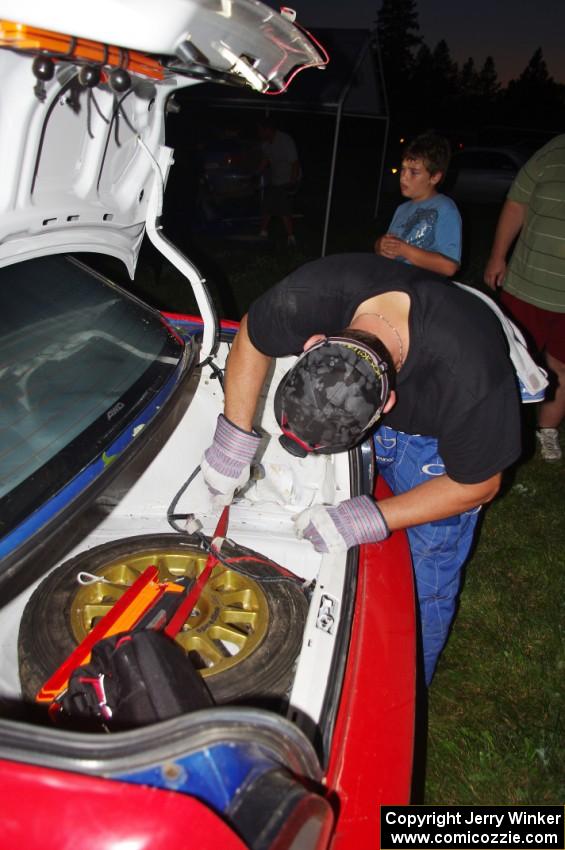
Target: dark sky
(508, 30)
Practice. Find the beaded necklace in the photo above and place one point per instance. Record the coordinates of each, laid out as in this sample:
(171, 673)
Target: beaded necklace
(400, 363)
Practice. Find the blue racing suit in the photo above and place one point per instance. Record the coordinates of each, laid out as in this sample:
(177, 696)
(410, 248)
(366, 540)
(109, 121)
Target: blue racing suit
(439, 549)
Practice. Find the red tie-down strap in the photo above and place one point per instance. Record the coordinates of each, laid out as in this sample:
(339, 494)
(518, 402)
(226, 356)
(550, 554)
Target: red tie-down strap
(182, 613)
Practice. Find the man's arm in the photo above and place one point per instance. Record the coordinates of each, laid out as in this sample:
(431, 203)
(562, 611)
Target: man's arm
(436, 499)
(509, 225)
(226, 463)
(246, 370)
(362, 520)
(392, 247)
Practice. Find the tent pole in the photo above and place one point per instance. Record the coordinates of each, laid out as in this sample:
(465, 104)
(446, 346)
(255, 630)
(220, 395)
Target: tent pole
(381, 77)
(383, 155)
(342, 99)
(332, 175)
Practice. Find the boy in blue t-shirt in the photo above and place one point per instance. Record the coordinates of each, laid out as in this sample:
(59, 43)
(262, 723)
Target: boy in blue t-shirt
(426, 230)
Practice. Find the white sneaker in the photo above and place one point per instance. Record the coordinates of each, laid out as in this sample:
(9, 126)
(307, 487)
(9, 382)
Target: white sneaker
(548, 439)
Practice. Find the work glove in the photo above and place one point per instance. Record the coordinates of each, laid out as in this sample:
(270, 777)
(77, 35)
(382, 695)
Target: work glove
(337, 529)
(226, 465)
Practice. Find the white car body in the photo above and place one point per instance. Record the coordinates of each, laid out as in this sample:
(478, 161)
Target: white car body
(84, 170)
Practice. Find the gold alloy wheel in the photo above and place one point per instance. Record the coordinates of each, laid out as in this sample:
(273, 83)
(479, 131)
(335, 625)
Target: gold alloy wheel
(229, 622)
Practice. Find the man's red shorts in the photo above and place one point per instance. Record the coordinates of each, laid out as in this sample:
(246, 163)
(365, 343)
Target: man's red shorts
(546, 329)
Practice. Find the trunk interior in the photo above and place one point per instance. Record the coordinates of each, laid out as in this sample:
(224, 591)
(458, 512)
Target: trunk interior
(283, 645)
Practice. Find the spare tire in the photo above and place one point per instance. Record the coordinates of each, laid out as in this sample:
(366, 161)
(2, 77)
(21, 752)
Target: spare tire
(243, 636)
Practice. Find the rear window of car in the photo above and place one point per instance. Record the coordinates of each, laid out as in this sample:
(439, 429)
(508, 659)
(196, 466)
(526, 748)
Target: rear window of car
(79, 358)
(485, 161)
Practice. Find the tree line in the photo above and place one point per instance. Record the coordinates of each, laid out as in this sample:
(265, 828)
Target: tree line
(426, 87)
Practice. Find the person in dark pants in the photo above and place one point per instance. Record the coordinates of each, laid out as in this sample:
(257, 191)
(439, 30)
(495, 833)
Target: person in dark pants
(433, 359)
(282, 171)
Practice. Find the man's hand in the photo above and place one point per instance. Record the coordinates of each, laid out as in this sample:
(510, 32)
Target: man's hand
(509, 225)
(226, 464)
(495, 272)
(337, 529)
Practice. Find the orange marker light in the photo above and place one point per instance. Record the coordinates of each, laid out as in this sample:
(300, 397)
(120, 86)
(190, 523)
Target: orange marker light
(66, 48)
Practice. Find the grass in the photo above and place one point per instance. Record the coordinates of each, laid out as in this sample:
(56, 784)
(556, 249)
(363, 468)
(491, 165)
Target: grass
(496, 721)
(495, 717)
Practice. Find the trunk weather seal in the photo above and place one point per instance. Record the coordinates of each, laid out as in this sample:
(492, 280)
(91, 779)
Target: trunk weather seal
(134, 750)
(332, 698)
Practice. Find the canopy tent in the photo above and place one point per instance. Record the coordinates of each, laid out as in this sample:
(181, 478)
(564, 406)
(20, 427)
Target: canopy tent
(351, 85)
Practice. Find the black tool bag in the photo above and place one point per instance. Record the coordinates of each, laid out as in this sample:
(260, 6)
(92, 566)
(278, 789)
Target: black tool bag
(133, 679)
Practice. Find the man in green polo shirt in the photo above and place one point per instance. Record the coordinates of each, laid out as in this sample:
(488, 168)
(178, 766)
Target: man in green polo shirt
(534, 283)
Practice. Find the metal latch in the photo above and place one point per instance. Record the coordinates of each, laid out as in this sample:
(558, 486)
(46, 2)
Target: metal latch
(327, 614)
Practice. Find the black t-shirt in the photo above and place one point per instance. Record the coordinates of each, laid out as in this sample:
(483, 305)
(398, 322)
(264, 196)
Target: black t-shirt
(457, 383)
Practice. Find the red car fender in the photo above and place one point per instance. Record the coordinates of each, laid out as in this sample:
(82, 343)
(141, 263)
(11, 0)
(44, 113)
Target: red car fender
(375, 721)
(43, 809)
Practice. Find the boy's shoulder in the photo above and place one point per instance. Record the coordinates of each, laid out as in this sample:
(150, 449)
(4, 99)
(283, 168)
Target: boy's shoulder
(445, 200)
(436, 201)
(443, 204)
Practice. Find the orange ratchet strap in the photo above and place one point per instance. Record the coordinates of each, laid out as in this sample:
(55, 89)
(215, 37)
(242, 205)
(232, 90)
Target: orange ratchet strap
(127, 611)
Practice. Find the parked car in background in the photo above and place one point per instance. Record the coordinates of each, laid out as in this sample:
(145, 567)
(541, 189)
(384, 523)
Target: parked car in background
(482, 174)
(230, 185)
(106, 408)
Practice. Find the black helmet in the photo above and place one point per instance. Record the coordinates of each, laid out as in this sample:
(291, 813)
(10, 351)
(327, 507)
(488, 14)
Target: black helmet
(332, 395)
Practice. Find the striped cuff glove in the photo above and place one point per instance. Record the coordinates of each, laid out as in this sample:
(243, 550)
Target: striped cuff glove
(338, 528)
(226, 464)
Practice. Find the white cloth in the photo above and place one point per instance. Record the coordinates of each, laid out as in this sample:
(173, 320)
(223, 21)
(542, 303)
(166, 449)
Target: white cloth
(532, 378)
